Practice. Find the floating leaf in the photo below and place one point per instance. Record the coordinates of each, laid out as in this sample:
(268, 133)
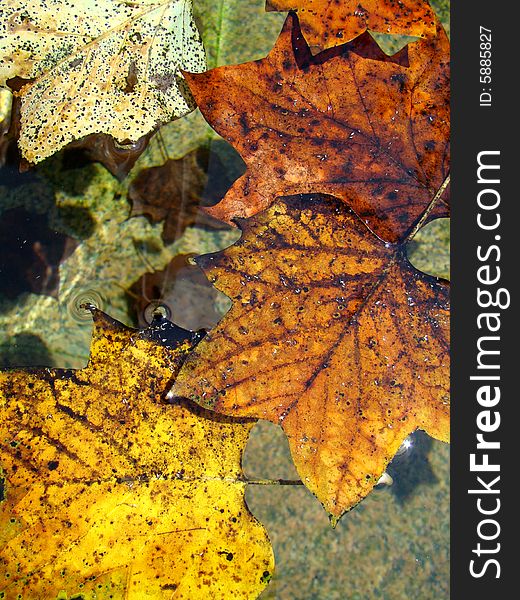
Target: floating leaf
(350, 122)
(97, 66)
(326, 24)
(333, 335)
(111, 493)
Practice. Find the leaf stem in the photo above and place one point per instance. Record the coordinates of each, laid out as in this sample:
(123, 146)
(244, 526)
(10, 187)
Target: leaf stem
(272, 481)
(428, 210)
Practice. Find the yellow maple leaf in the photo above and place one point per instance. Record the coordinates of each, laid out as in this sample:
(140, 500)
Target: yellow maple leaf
(97, 66)
(109, 492)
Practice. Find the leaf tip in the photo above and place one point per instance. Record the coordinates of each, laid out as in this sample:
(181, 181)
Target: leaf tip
(334, 520)
(91, 308)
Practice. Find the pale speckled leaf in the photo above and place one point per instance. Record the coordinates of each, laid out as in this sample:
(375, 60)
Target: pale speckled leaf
(5, 105)
(98, 66)
(233, 32)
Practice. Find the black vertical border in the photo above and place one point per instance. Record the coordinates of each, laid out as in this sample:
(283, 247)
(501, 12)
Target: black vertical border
(478, 128)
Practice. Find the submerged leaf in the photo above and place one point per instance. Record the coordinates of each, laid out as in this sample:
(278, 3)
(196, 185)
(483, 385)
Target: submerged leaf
(182, 290)
(174, 192)
(169, 193)
(119, 159)
(350, 122)
(97, 66)
(110, 492)
(326, 24)
(333, 335)
(31, 254)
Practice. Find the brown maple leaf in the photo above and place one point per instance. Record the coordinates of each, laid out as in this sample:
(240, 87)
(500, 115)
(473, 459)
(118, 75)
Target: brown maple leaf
(326, 24)
(334, 335)
(352, 122)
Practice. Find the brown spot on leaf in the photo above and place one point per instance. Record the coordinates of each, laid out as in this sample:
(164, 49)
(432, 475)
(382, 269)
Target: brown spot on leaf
(131, 78)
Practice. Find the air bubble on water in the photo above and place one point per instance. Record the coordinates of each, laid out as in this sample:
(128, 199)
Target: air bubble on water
(405, 447)
(385, 479)
(78, 306)
(156, 309)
